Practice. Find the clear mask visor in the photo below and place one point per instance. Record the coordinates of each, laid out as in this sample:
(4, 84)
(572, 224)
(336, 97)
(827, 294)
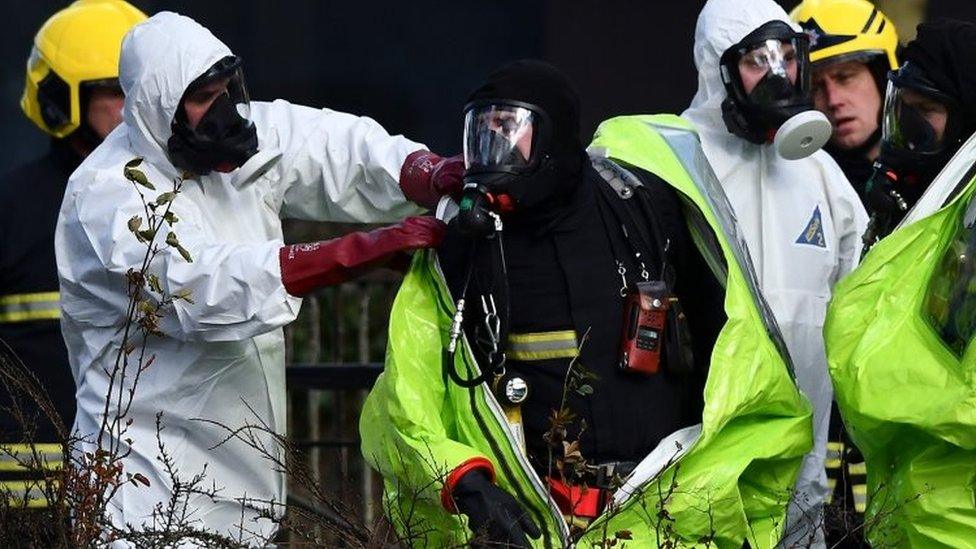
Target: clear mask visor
(236, 90)
(498, 137)
(225, 78)
(914, 121)
(768, 71)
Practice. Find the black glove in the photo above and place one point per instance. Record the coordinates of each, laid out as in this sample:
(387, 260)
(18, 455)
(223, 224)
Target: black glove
(494, 516)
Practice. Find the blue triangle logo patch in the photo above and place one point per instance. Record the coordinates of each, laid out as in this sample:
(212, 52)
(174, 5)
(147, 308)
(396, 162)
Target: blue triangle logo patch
(813, 234)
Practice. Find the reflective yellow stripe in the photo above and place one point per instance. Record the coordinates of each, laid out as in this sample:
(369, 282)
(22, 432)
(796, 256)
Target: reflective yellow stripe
(27, 307)
(8, 464)
(29, 298)
(19, 490)
(562, 335)
(834, 452)
(860, 497)
(831, 484)
(20, 457)
(542, 345)
(541, 355)
(43, 448)
(25, 316)
(857, 469)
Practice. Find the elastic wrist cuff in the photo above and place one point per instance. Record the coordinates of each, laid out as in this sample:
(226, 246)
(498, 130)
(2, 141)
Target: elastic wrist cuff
(454, 476)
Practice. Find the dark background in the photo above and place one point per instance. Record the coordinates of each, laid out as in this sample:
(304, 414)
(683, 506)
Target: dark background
(411, 64)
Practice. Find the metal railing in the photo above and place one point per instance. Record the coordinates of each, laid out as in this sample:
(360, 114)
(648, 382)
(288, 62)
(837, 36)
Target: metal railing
(335, 352)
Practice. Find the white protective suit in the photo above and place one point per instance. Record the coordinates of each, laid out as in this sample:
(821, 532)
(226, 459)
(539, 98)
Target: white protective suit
(801, 219)
(224, 352)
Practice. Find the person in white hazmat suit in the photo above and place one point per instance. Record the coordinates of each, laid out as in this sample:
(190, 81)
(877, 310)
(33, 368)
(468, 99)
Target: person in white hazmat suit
(801, 220)
(221, 357)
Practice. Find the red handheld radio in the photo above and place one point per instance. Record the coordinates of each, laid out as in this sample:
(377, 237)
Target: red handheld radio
(645, 316)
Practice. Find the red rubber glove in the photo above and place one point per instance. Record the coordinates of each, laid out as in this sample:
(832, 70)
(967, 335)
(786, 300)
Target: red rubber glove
(306, 267)
(425, 177)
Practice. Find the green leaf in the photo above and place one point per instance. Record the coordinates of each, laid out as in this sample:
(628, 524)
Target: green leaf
(171, 218)
(585, 390)
(146, 235)
(185, 253)
(135, 223)
(138, 177)
(184, 294)
(139, 477)
(134, 162)
(154, 284)
(165, 198)
(172, 240)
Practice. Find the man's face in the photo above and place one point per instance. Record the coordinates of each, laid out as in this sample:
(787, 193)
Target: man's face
(104, 110)
(754, 65)
(848, 94)
(197, 102)
(934, 112)
(507, 125)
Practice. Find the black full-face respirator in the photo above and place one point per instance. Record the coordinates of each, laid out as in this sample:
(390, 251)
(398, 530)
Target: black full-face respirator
(507, 165)
(921, 129)
(225, 137)
(777, 108)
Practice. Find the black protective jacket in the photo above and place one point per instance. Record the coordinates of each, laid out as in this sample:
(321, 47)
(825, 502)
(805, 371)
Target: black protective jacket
(29, 311)
(562, 275)
(855, 164)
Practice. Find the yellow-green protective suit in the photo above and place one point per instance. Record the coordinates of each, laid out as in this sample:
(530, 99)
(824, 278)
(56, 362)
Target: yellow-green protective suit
(724, 481)
(898, 333)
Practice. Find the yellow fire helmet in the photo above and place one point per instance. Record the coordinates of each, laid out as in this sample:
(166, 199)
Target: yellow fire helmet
(842, 30)
(77, 46)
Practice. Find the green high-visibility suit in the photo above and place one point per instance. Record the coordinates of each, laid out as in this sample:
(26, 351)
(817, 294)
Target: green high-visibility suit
(898, 331)
(726, 480)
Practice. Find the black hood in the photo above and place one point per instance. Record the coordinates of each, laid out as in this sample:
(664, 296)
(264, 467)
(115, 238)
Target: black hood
(543, 85)
(943, 49)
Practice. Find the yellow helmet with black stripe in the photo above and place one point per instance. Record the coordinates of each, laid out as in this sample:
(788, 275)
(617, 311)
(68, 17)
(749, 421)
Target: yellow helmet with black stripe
(76, 46)
(843, 30)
